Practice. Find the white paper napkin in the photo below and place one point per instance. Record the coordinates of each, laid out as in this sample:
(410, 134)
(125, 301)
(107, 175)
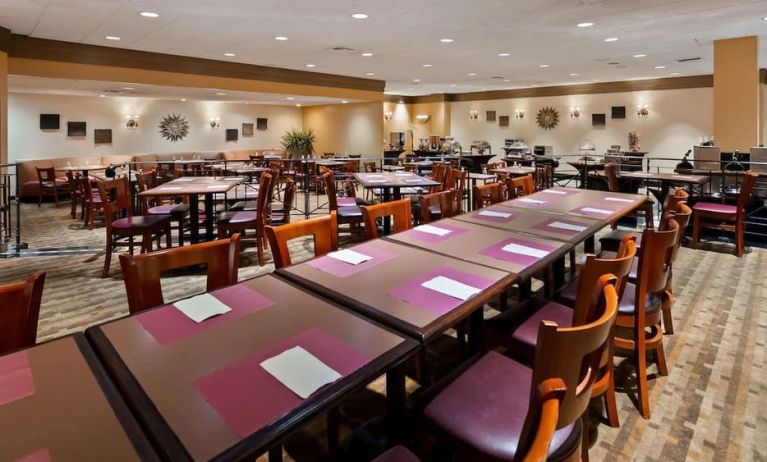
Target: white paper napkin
(201, 307)
(451, 287)
(554, 191)
(183, 180)
(530, 201)
(524, 250)
(349, 256)
(493, 213)
(567, 226)
(436, 230)
(215, 186)
(593, 210)
(171, 188)
(300, 371)
(618, 199)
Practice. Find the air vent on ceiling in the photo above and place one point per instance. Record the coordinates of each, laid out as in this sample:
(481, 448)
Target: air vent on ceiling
(497, 78)
(685, 60)
(342, 49)
(613, 63)
(111, 91)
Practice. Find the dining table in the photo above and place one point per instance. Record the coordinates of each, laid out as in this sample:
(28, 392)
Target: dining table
(58, 403)
(667, 180)
(233, 386)
(392, 184)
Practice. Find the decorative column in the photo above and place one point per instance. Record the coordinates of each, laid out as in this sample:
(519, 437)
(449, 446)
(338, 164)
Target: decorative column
(5, 39)
(737, 94)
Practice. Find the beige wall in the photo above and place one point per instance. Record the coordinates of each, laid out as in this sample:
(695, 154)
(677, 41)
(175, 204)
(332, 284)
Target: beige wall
(347, 128)
(401, 121)
(3, 107)
(736, 93)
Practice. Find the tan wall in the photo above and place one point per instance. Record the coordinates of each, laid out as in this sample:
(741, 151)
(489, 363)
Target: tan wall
(736, 93)
(347, 128)
(3, 107)
(402, 116)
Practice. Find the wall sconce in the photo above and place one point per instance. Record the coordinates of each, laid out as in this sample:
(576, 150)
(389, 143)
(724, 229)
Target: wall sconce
(575, 112)
(422, 117)
(131, 122)
(214, 122)
(519, 114)
(642, 111)
(388, 115)
(473, 115)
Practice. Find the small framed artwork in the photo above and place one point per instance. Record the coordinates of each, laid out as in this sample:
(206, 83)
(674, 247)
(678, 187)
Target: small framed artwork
(247, 129)
(50, 121)
(261, 124)
(102, 136)
(503, 121)
(76, 129)
(598, 120)
(619, 112)
(232, 134)
(490, 116)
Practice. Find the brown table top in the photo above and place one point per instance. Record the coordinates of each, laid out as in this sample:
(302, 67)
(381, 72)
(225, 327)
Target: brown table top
(573, 201)
(514, 171)
(470, 242)
(79, 168)
(165, 371)
(56, 399)
(669, 177)
(540, 223)
(194, 185)
(394, 266)
(393, 180)
(481, 176)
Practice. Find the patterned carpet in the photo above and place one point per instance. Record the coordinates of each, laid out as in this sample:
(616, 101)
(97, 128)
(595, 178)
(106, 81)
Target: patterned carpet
(708, 409)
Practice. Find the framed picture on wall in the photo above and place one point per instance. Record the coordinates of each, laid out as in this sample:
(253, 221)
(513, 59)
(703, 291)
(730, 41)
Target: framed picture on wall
(503, 121)
(619, 112)
(490, 116)
(102, 136)
(261, 124)
(50, 121)
(598, 120)
(247, 129)
(232, 134)
(76, 129)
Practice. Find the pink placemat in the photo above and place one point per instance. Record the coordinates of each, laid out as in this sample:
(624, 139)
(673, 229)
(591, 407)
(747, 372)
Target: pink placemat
(546, 226)
(413, 292)
(168, 324)
(496, 251)
(346, 201)
(562, 192)
(41, 455)
(249, 398)
(16, 381)
(478, 216)
(601, 206)
(343, 270)
(433, 238)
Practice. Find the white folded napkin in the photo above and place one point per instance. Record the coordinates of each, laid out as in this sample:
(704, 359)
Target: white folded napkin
(201, 307)
(593, 210)
(171, 188)
(530, 201)
(567, 226)
(618, 199)
(554, 191)
(349, 256)
(436, 230)
(524, 250)
(493, 213)
(451, 287)
(300, 371)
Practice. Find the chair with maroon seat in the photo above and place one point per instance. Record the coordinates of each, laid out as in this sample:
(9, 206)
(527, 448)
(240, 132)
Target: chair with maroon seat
(152, 206)
(643, 211)
(49, 185)
(485, 411)
(281, 210)
(238, 222)
(142, 273)
(438, 205)
(723, 216)
(122, 224)
(76, 198)
(322, 229)
(346, 208)
(400, 210)
(19, 312)
(488, 194)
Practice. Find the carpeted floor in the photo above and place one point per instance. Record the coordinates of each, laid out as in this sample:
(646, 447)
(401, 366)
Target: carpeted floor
(709, 407)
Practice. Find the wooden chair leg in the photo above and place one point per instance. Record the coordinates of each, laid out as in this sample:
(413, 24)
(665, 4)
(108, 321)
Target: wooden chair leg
(643, 394)
(739, 238)
(668, 322)
(660, 359)
(40, 198)
(107, 257)
(168, 236)
(56, 196)
(260, 248)
(585, 442)
(695, 231)
(611, 406)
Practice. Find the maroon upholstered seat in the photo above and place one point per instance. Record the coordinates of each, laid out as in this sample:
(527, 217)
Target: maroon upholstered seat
(487, 405)
(525, 337)
(137, 222)
(627, 303)
(239, 217)
(397, 454)
(346, 201)
(349, 211)
(169, 209)
(716, 208)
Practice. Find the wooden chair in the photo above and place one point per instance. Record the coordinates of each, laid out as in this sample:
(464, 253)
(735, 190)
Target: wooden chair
(238, 222)
(400, 210)
(49, 185)
(19, 312)
(456, 180)
(281, 210)
(322, 229)
(544, 177)
(644, 211)
(544, 417)
(346, 208)
(520, 186)
(640, 306)
(724, 216)
(438, 205)
(151, 206)
(141, 273)
(488, 194)
(484, 411)
(76, 198)
(122, 224)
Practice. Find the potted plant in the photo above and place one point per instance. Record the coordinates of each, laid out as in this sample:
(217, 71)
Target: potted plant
(298, 143)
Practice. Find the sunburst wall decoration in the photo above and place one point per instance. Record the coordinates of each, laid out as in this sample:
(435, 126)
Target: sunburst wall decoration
(174, 127)
(547, 118)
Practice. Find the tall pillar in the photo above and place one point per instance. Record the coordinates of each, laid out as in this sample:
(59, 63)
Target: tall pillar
(5, 41)
(736, 93)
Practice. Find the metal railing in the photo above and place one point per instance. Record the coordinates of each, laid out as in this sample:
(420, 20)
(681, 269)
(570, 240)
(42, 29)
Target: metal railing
(10, 212)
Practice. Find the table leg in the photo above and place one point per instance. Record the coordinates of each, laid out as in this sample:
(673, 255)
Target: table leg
(477, 338)
(275, 453)
(387, 219)
(395, 403)
(209, 216)
(194, 224)
(589, 244)
(558, 268)
(525, 289)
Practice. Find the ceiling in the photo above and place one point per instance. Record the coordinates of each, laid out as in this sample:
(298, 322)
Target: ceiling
(51, 86)
(403, 35)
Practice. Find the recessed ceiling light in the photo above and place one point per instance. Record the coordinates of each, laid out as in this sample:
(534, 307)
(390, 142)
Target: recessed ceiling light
(416, 80)
(183, 100)
(370, 73)
(128, 88)
(675, 73)
(149, 14)
(298, 104)
(290, 98)
(573, 74)
(660, 67)
(367, 54)
(359, 16)
(231, 55)
(311, 65)
(112, 37)
(544, 66)
(507, 80)
(425, 65)
(281, 38)
(453, 84)
(409, 89)
(585, 24)
(640, 55)
(102, 96)
(471, 74)
(446, 40)
(611, 39)
(344, 102)
(503, 55)
(764, 18)
(220, 94)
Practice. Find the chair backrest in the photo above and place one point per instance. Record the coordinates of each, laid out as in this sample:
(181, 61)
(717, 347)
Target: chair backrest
(459, 185)
(655, 258)
(45, 174)
(400, 210)
(370, 167)
(543, 416)
(330, 190)
(544, 176)
(488, 194)
(74, 187)
(438, 172)
(611, 172)
(19, 312)
(682, 215)
(671, 200)
(573, 354)
(746, 191)
(144, 182)
(445, 200)
(266, 184)
(520, 186)
(115, 198)
(322, 229)
(142, 272)
(288, 196)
